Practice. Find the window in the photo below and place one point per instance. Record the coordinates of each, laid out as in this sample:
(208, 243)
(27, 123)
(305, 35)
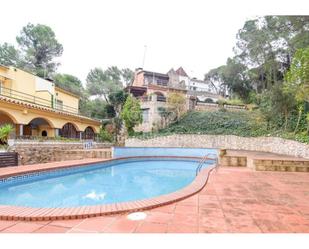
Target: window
(59, 104)
(145, 115)
(161, 82)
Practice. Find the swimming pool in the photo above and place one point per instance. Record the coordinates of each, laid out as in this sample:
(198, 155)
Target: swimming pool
(104, 183)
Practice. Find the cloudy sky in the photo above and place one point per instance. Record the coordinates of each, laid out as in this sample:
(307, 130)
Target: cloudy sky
(198, 35)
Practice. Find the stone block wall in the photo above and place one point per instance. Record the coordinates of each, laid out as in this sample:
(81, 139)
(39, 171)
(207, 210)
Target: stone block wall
(42, 152)
(233, 161)
(281, 165)
(61, 155)
(265, 144)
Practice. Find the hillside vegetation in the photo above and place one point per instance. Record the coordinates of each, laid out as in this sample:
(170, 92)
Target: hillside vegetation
(245, 124)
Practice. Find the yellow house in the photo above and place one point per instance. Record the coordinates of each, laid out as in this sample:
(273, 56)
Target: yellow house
(36, 107)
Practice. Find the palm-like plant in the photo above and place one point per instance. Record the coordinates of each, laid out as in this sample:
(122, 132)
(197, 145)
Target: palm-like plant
(5, 132)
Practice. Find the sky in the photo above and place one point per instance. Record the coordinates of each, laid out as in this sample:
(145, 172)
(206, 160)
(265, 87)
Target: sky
(197, 35)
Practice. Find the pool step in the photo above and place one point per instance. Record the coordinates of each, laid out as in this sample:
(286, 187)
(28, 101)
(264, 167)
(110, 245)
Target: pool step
(63, 155)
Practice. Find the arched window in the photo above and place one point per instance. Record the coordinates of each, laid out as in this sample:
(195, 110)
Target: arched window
(69, 131)
(88, 133)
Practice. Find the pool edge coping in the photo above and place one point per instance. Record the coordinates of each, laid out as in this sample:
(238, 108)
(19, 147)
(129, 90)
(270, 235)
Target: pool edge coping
(43, 214)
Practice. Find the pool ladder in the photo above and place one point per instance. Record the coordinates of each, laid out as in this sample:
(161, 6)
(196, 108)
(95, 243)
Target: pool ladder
(203, 160)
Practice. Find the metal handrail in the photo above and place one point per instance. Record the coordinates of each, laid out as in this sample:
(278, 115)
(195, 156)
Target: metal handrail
(8, 92)
(202, 161)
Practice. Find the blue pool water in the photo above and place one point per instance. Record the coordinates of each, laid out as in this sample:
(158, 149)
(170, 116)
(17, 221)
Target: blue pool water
(125, 180)
(119, 152)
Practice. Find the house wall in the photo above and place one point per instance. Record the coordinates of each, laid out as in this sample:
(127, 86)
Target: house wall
(42, 92)
(138, 79)
(67, 99)
(27, 84)
(22, 115)
(154, 118)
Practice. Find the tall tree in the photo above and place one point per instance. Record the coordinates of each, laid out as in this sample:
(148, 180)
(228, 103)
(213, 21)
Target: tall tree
(114, 110)
(37, 49)
(214, 77)
(297, 78)
(10, 56)
(127, 75)
(40, 47)
(234, 75)
(297, 81)
(69, 82)
(102, 83)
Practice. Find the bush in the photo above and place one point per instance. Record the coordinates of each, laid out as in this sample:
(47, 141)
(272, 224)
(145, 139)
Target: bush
(104, 135)
(245, 124)
(220, 122)
(5, 131)
(235, 101)
(221, 102)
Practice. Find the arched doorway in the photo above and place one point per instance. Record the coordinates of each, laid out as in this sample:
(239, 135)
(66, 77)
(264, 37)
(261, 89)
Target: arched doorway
(69, 131)
(38, 127)
(88, 133)
(6, 119)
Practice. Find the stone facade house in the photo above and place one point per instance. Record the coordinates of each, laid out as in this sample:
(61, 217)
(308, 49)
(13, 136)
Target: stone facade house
(152, 89)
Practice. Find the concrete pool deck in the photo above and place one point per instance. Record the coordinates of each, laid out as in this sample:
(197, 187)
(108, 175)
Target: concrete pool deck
(235, 200)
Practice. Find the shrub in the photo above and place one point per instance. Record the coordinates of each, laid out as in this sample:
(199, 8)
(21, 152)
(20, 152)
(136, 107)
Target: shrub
(235, 101)
(104, 135)
(5, 132)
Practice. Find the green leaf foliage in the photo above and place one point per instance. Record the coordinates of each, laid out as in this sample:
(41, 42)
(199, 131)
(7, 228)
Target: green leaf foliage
(5, 131)
(131, 113)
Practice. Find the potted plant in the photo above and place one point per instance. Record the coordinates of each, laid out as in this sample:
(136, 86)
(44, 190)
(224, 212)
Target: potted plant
(5, 131)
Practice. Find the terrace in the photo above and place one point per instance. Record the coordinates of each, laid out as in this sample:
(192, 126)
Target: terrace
(234, 200)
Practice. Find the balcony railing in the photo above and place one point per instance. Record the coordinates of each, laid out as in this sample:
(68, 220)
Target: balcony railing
(161, 98)
(13, 94)
(153, 98)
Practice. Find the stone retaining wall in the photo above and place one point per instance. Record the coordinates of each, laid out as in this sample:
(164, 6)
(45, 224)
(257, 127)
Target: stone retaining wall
(265, 144)
(42, 152)
(61, 155)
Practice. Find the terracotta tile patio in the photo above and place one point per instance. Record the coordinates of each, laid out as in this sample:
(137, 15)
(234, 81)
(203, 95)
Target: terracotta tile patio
(235, 200)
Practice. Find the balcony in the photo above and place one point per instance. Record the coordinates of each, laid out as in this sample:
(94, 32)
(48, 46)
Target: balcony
(41, 102)
(153, 98)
